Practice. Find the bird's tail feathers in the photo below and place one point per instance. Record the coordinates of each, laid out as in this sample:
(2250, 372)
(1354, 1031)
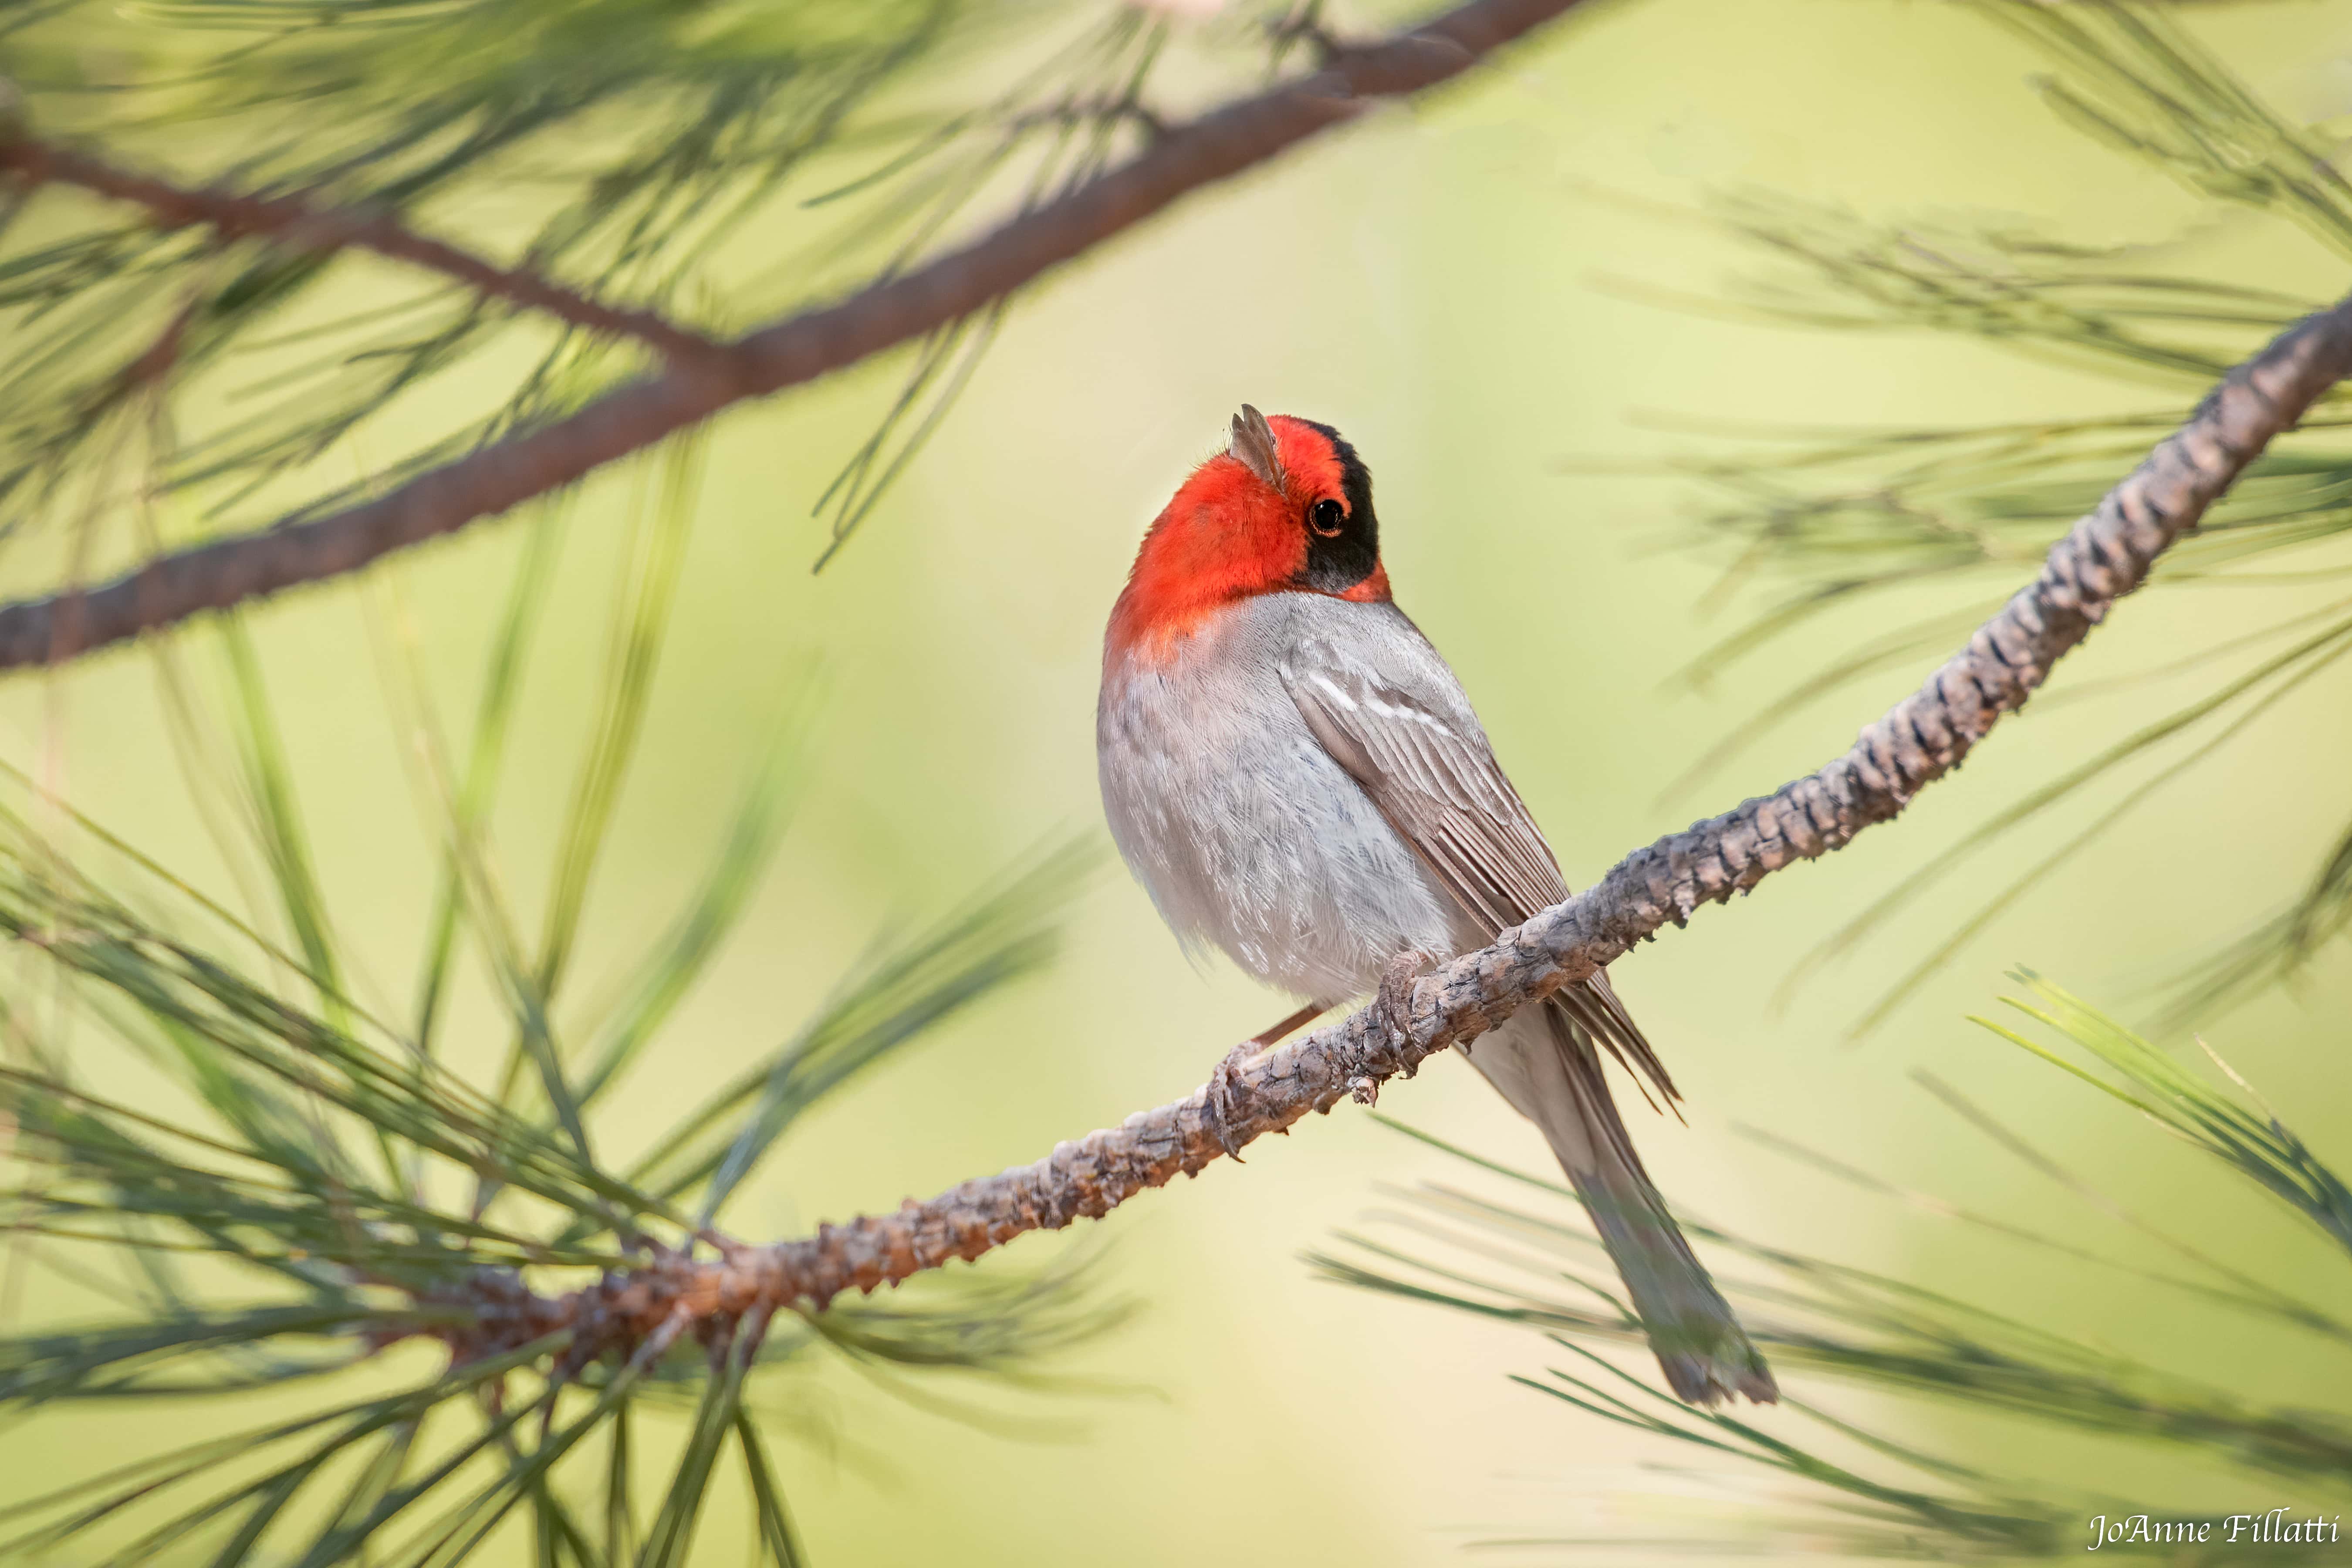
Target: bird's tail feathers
(1550, 1072)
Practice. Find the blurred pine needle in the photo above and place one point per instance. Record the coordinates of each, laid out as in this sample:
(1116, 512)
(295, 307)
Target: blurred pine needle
(714, 163)
(297, 1214)
(1849, 1490)
(1817, 521)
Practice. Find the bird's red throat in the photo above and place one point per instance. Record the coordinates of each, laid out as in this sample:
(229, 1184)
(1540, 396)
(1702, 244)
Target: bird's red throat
(1228, 536)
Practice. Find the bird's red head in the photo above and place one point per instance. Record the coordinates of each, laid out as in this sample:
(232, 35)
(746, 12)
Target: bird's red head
(1287, 509)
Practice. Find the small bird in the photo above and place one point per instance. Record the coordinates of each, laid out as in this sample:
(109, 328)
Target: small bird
(1295, 776)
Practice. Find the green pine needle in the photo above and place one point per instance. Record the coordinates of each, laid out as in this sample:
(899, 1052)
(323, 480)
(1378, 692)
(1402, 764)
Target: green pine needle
(1826, 1325)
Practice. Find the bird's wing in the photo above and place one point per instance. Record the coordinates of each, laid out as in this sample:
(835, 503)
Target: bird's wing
(1435, 780)
(1423, 759)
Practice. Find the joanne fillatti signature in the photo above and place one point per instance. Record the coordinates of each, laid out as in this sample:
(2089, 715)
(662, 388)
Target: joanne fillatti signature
(2279, 1526)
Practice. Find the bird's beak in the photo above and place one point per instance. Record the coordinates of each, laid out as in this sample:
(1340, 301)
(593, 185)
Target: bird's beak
(1254, 444)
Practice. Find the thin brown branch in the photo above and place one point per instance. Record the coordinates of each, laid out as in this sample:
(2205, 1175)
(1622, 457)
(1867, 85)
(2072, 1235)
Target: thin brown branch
(2105, 556)
(294, 225)
(789, 353)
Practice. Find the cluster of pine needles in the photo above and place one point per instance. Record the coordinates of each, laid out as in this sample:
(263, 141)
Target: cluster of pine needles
(288, 1209)
(1832, 1485)
(716, 165)
(1940, 523)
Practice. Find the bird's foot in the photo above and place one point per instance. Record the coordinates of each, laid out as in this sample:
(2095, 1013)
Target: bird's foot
(1225, 1096)
(1396, 1000)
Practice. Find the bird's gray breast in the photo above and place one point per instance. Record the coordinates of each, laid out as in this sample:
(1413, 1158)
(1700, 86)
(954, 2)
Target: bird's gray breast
(1237, 822)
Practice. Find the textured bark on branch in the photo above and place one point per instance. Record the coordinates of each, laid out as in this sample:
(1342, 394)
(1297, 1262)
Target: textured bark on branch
(294, 225)
(2105, 556)
(789, 353)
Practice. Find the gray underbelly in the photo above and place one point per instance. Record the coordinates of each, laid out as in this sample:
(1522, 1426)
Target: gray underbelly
(1250, 839)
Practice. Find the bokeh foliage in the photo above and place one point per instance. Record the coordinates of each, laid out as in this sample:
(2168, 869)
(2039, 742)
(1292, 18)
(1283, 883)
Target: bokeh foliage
(1820, 521)
(638, 150)
(1844, 1487)
(305, 1199)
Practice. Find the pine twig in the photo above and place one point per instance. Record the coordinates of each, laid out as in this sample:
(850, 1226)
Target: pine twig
(2106, 555)
(292, 224)
(798, 348)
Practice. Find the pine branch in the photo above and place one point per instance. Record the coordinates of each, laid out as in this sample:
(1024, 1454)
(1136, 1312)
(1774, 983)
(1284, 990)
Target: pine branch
(297, 226)
(799, 349)
(2106, 555)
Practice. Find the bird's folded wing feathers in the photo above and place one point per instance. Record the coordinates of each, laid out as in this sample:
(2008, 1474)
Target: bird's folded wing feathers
(1435, 780)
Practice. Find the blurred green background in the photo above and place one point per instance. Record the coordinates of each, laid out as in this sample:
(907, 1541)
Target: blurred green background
(1448, 284)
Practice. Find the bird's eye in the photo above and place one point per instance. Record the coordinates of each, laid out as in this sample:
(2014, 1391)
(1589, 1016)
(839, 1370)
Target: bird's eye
(1327, 518)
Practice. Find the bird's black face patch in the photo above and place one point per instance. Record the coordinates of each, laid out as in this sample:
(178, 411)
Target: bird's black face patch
(1343, 543)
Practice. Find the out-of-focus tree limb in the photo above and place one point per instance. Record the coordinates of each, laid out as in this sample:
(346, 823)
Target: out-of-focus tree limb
(291, 224)
(2105, 556)
(1184, 158)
